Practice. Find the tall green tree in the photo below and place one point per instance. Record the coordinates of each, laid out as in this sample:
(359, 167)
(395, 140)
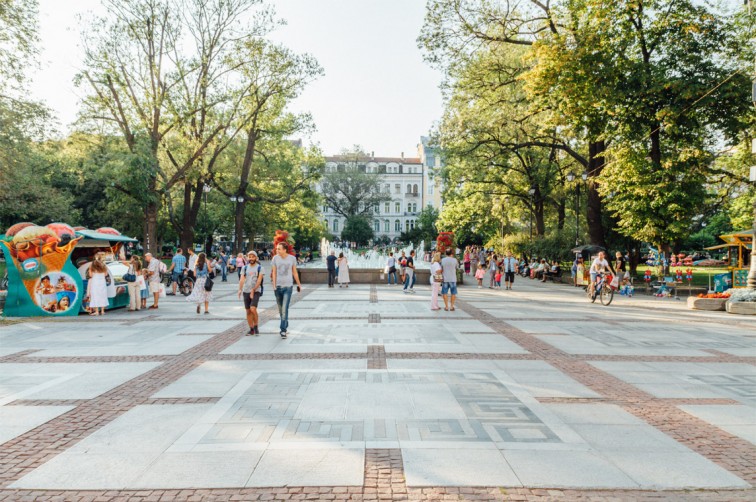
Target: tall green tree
(349, 190)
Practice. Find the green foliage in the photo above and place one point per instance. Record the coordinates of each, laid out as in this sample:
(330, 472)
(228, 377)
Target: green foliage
(357, 229)
(425, 227)
(552, 247)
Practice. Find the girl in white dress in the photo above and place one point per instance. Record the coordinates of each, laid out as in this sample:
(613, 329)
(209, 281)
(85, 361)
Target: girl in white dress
(97, 288)
(343, 271)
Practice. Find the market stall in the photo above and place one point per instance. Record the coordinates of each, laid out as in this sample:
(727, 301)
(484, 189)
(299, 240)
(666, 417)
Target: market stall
(43, 278)
(738, 246)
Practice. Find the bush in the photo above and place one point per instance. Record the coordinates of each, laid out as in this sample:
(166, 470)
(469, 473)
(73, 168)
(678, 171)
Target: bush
(556, 246)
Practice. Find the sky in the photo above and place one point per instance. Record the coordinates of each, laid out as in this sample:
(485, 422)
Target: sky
(377, 91)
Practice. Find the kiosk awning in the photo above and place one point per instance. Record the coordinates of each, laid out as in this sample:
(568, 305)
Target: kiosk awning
(91, 234)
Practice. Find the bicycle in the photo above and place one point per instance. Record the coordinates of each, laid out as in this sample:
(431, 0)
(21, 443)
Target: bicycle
(602, 289)
(185, 283)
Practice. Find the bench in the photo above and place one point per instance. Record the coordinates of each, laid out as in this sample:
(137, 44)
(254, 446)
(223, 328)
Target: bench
(556, 279)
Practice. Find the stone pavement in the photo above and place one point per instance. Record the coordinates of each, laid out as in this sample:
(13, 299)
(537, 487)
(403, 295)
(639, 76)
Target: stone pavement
(531, 394)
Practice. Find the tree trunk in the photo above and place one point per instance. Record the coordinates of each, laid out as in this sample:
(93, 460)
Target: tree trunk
(540, 228)
(150, 228)
(238, 227)
(596, 232)
(561, 213)
(187, 228)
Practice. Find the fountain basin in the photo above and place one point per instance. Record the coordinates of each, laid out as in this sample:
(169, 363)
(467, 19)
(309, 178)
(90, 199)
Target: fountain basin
(363, 276)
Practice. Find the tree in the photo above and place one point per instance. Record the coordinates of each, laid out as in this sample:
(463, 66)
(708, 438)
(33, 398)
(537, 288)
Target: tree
(357, 229)
(425, 227)
(349, 190)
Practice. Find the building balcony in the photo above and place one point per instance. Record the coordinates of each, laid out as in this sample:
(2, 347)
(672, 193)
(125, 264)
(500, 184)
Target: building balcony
(411, 194)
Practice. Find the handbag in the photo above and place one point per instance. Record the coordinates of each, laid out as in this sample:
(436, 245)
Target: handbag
(439, 277)
(129, 277)
(209, 284)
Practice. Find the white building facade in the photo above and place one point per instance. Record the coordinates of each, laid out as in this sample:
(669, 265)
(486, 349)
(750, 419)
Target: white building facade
(405, 179)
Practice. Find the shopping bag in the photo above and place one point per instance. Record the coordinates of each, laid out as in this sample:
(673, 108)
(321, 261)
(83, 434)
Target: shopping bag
(161, 294)
(615, 282)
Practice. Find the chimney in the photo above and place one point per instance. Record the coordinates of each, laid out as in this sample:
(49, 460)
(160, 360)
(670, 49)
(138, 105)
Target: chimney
(372, 155)
(402, 155)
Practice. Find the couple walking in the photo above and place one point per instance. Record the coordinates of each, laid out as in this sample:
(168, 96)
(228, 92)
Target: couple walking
(444, 277)
(283, 275)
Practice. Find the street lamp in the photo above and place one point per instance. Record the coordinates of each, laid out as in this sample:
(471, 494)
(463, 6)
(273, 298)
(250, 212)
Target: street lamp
(235, 199)
(571, 178)
(531, 192)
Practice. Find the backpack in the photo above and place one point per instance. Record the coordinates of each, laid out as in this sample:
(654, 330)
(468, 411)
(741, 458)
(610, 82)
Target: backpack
(259, 269)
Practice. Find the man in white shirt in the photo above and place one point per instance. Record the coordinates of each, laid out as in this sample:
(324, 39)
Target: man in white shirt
(509, 266)
(599, 265)
(192, 261)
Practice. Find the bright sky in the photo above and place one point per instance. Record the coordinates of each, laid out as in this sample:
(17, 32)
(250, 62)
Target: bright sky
(377, 91)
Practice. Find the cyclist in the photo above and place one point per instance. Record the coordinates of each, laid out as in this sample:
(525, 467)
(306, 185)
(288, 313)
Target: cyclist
(599, 266)
(178, 263)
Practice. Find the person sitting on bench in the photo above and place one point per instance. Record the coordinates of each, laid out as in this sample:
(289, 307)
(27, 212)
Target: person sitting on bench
(554, 273)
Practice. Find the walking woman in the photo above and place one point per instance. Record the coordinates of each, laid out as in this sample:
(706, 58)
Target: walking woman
(97, 288)
(343, 271)
(135, 293)
(436, 278)
(466, 260)
(199, 295)
(240, 262)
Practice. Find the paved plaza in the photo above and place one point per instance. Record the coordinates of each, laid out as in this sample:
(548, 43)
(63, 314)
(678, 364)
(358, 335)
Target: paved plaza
(531, 394)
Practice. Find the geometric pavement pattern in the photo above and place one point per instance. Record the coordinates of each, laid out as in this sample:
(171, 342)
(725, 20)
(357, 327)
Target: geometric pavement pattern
(490, 410)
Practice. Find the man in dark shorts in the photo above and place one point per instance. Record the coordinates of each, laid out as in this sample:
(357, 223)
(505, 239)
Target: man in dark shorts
(331, 268)
(250, 287)
(509, 266)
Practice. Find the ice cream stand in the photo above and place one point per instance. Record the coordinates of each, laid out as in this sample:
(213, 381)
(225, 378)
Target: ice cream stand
(42, 278)
(738, 246)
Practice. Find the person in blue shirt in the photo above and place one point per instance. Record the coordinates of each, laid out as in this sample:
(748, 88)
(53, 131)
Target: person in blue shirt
(178, 263)
(331, 268)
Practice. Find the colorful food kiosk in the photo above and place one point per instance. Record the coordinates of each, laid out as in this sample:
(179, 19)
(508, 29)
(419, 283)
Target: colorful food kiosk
(738, 246)
(43, 279)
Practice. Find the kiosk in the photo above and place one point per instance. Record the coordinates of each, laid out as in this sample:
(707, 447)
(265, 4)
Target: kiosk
(42, 278)
(738, 246)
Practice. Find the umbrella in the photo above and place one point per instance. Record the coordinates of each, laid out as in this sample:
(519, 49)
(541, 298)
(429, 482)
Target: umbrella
(588, 248)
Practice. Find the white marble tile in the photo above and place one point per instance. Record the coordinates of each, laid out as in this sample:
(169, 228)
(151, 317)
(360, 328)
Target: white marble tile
(566, 469)
(309, 467)
(457, 467)
(17, 420)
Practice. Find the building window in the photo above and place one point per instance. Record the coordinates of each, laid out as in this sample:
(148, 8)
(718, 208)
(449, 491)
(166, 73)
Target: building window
(386, 226)
(326, 225)
(412, 224)
(397, 226)
(376, 226)
(409, 207)
(430, 188)
(387, 188)
(409, 188)
(335, 226)
(431, 161)
(387, 207)
(414, 189)
(398, 188)
(398, 207)
(406, 225)
(377, 209)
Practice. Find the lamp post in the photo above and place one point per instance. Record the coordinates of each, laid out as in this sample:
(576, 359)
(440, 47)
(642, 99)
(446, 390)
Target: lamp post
(571, 178)
(531, 192)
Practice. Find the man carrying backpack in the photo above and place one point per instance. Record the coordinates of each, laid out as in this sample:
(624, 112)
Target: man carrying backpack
(250, 286)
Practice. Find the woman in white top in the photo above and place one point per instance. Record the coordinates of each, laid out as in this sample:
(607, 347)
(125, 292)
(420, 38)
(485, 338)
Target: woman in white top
(435, 273)
(343, 271)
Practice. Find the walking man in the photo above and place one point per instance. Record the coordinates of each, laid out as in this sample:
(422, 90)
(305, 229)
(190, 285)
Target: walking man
(192, 262)
(178, 263)
(510, 266)
(153, 278)
(250, 286)
(331, 268)
(449, 266)
(283, 274)
(409, 274)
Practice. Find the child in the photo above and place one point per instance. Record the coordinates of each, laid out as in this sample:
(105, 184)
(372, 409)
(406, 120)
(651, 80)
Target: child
(97, 289)
(143, 291)
(497, 279)
(480, 274)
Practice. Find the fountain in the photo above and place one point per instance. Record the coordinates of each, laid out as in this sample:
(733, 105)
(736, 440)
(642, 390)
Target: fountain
(365, 267)
(372, 259)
